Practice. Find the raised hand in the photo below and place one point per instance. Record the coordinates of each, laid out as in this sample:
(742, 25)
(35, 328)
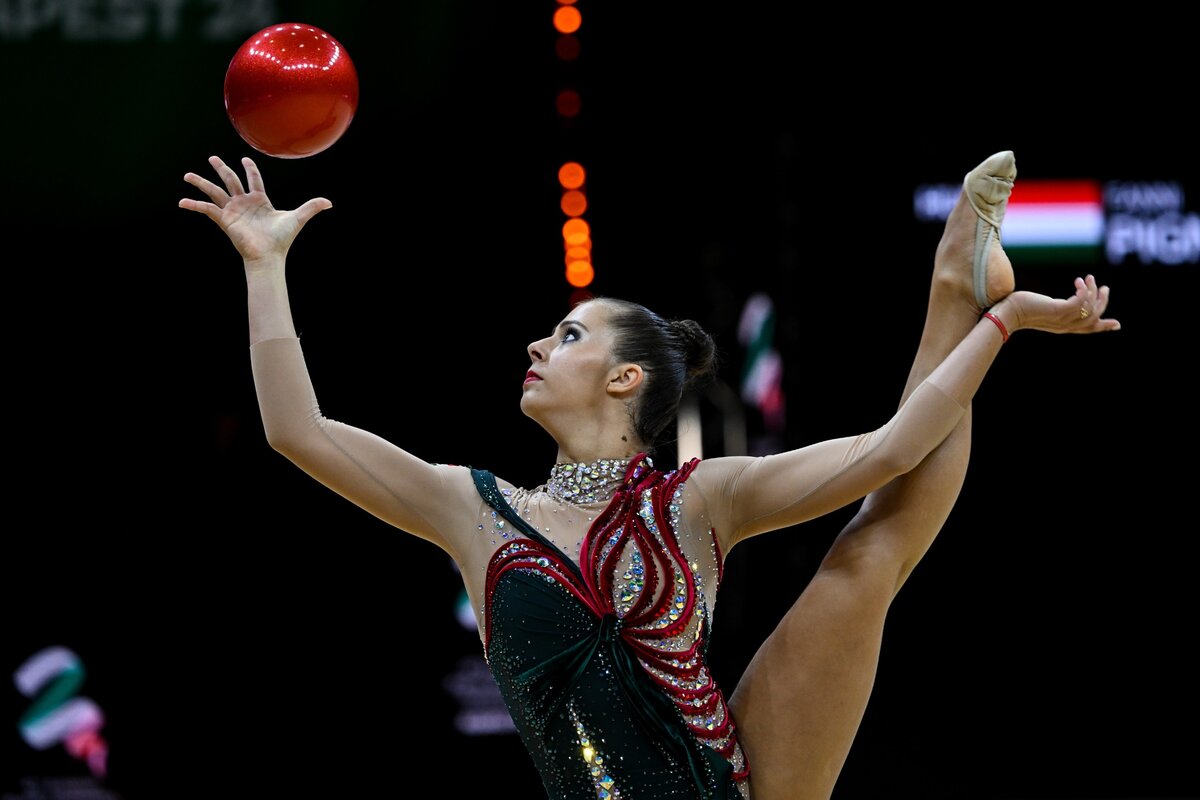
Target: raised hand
(1082, 313)
(257, 229)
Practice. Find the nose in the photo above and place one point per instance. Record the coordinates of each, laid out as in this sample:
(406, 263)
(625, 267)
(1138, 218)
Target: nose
(537, 350)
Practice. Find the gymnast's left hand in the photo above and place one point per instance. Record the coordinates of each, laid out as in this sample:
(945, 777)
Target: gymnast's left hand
(1081, 313)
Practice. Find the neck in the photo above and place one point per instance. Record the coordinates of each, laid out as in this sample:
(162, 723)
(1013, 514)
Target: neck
(587, 455)
(586, 435)
(584, 447)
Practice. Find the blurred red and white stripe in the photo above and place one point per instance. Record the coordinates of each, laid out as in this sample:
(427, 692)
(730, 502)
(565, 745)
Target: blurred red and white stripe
(1044, 214)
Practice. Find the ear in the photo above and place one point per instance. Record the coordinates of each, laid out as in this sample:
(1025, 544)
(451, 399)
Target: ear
(624, 379)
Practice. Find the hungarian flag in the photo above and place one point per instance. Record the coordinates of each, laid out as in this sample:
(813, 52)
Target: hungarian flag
(1054, 220)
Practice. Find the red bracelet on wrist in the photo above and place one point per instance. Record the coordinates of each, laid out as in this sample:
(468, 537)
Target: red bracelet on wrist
(999, 324)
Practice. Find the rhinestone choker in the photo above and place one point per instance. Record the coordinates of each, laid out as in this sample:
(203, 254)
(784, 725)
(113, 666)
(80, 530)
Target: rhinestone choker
(586, 483)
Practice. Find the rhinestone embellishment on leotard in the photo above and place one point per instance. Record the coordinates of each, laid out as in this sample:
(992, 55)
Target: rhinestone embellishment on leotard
(586, 483)
(606, 788)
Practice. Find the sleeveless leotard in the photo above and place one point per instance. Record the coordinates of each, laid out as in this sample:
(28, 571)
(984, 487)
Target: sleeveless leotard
(602, 663)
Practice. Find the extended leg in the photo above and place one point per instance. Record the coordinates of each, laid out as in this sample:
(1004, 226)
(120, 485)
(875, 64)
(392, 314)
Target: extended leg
(802, 698)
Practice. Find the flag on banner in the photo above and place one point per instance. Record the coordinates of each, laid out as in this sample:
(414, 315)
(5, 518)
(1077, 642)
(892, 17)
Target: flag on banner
(1056, 220)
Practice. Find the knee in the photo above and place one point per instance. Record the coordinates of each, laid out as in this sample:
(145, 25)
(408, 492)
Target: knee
(871, 557)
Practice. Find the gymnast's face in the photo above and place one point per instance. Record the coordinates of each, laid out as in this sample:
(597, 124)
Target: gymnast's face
(570, 369)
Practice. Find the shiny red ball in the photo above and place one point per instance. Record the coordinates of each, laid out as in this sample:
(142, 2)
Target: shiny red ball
(291, 90)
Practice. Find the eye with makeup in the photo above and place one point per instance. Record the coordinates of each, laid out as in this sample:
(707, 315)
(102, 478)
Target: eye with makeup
(569, 332)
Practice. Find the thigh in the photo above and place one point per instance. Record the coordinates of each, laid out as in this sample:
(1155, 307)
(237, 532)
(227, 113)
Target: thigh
(800, 701)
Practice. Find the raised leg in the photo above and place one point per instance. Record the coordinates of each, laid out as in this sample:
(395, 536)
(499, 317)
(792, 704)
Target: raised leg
(801, 699)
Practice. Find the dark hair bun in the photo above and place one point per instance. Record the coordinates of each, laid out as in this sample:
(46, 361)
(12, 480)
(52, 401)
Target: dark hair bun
(700, 351)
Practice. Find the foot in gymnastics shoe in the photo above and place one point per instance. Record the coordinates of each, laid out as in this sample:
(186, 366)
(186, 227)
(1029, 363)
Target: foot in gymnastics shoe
(972, 235)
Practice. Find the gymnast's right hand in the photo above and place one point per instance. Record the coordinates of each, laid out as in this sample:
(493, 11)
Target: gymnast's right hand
(259, 231)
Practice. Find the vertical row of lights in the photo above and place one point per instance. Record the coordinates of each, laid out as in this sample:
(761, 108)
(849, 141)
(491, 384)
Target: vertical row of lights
(577, 239)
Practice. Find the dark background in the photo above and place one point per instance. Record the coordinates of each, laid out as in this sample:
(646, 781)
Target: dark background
(248, 633)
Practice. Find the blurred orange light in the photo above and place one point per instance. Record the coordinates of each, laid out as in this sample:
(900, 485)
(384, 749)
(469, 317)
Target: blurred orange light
(574, 203)
(571, 175)
(567, 19)
(567, 103)
(579, 253)
(575, 231)
(567, 2)
(579, 296)
(567, 48)
(580, 273)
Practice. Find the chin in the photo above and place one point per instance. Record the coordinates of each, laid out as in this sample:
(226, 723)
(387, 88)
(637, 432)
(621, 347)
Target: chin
(528, 408)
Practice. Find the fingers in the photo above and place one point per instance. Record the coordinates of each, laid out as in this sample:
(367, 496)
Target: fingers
(219, 196)
(1101, 301)
(310, 209)
(1090, 296)
(233, 188)
(215, 193)
(208, 209)
(253, 176)
(1085, 297)
(233, 184)
(1093, 303)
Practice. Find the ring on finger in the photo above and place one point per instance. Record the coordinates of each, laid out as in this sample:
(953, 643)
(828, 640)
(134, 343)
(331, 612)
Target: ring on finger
(1084, 313)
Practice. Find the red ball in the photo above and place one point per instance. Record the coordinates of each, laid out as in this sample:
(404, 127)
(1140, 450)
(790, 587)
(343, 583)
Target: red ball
(291, 90)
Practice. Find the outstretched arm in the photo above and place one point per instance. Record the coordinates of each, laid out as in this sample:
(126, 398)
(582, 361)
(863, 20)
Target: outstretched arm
(745, 496)
(381, 478)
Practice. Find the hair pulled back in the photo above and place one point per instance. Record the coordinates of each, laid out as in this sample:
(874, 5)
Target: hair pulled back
(676, 356)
